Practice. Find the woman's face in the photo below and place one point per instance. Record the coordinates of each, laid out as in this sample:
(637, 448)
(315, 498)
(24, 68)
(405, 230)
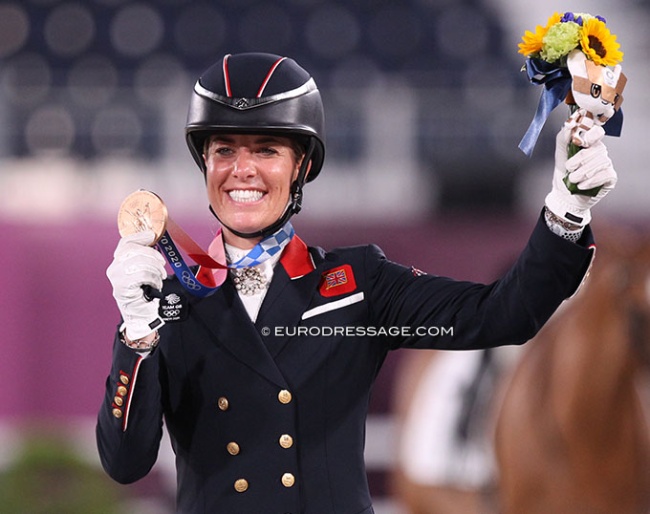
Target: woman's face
(248, 180)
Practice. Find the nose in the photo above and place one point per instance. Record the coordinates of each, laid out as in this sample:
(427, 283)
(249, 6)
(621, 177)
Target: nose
(244, 165)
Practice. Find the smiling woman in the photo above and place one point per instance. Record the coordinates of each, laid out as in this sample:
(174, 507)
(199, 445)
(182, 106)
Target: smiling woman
(264, 95)
(249, 179)
(265, 384)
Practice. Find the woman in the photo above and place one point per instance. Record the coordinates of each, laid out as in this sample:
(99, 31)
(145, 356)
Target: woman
(264, 385)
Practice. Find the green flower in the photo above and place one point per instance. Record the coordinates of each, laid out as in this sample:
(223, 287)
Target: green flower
(560, 39)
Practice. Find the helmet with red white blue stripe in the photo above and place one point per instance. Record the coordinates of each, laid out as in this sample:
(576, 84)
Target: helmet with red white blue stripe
(258, 93)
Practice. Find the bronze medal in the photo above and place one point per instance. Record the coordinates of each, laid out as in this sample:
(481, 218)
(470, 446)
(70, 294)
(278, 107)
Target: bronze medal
(142, 210)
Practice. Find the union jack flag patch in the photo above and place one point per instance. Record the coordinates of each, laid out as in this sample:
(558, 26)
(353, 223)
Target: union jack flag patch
(337, 281)
(336, 278)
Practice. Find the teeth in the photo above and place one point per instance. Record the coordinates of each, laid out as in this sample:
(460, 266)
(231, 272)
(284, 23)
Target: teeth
(245, 195)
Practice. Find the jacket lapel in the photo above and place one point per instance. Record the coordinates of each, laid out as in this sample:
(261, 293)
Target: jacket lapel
(294, 283)
(283, 306)
(295, 280)
(225, 317)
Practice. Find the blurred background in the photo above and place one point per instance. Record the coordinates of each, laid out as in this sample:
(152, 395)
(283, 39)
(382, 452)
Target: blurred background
(425, 106)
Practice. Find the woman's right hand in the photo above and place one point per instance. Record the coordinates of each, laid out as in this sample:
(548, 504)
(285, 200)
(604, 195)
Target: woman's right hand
(136, 264)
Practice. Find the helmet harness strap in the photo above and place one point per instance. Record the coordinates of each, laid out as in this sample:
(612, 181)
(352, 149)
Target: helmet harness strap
(293, 206)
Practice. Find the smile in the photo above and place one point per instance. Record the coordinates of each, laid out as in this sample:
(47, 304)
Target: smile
(245, 195)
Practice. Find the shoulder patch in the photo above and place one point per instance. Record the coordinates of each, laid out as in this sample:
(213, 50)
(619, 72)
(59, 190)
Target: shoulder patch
(337, 281)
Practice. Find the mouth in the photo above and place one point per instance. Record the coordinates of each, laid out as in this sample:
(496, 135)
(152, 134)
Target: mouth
(246, 195)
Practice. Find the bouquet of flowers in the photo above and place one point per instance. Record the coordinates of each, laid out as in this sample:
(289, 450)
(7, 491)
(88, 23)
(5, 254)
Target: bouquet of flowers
(571, 56)
(570, 31)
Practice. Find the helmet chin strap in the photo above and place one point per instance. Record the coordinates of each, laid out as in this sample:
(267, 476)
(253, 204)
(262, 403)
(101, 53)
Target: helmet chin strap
(293, 206)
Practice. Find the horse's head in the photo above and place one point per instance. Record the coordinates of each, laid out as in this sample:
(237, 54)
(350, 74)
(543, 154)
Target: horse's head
(597, 89)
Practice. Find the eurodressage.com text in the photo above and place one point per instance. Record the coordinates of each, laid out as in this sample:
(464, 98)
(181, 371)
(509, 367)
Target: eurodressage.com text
(360, 331)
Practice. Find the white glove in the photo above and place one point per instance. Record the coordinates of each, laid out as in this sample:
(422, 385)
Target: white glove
(591, 167)
(135, 264)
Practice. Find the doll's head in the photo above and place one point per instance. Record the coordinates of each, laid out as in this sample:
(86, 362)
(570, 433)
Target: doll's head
(597, 89)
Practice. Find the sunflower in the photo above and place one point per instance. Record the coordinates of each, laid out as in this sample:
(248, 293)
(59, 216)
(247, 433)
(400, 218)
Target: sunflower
(599, 44)
(532, 43)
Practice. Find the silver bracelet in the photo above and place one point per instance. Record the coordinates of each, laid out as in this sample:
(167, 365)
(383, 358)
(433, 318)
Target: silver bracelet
(140, 345)
(564, 229)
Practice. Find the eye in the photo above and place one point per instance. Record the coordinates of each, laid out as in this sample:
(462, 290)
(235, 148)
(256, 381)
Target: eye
(267, 150)
(596, 90)
(222, 150)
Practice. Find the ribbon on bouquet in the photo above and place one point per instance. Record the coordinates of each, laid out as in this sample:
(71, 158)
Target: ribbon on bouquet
(144, 210)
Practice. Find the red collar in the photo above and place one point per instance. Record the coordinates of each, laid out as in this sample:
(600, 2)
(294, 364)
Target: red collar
(296, 260)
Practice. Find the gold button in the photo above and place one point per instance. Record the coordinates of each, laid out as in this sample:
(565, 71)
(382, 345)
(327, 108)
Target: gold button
(119, 401)
(223, 403)
(288, 480)
(233, 448)
(124, 379)
(284, 396)
(117, 413)
(241, 485)
(122, 391)
(286, 441)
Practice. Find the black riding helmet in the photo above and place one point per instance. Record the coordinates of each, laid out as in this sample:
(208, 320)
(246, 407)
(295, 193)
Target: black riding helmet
(262, 94)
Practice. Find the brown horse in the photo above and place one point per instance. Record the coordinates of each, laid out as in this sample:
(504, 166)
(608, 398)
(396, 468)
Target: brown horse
(572, 435)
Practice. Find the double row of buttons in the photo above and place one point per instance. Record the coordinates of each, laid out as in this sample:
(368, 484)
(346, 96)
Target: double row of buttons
(284, 397)
(285, 441)
(288, 480)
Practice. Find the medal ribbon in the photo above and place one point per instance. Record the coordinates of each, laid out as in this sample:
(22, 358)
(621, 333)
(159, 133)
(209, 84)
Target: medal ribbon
(192, 282)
